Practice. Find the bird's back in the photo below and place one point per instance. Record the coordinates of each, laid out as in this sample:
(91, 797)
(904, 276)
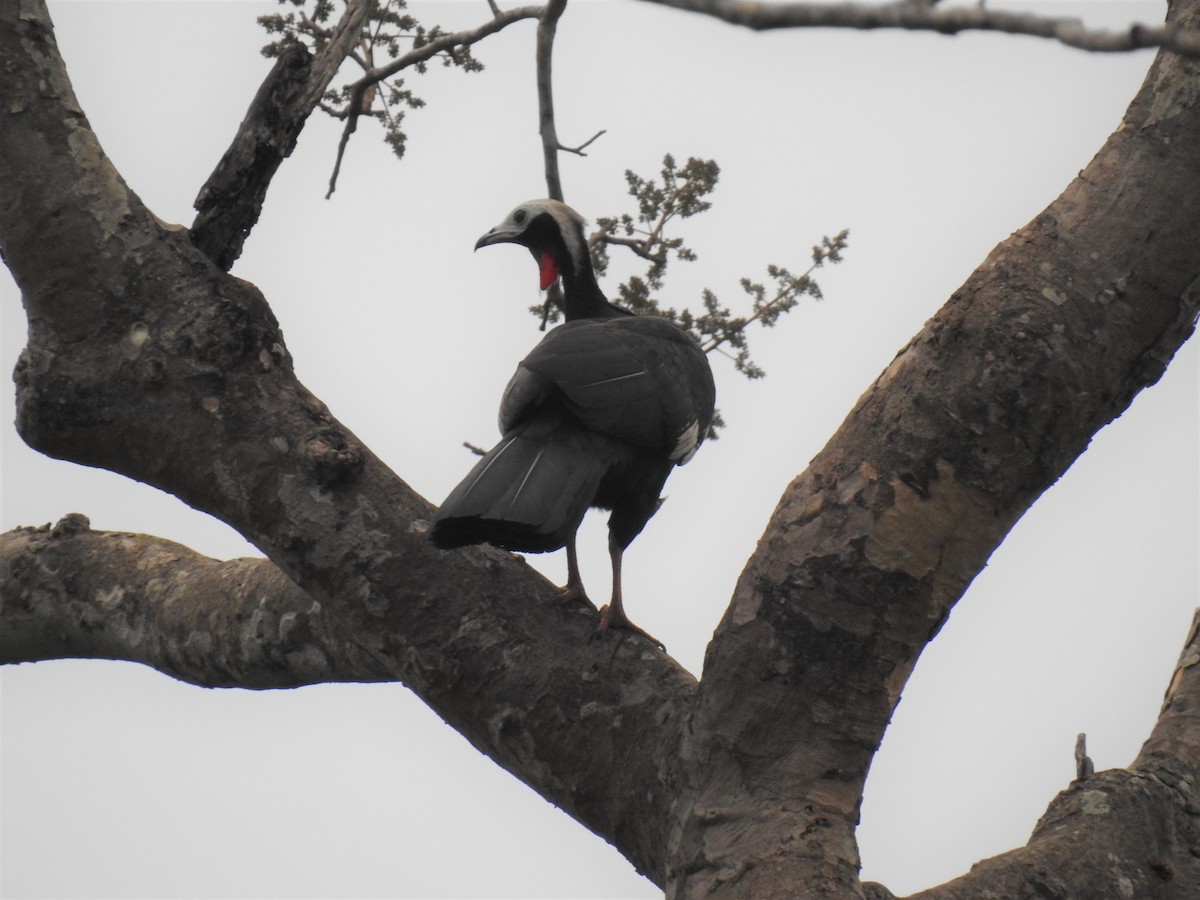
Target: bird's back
(638, 379)
(597, 414)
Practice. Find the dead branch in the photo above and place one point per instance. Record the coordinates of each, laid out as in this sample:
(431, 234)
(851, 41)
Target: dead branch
(917, 16)
(229, 203)
(547, 26)
(578, 151)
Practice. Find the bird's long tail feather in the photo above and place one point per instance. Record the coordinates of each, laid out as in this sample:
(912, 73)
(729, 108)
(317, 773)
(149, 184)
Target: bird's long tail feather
(529, 492)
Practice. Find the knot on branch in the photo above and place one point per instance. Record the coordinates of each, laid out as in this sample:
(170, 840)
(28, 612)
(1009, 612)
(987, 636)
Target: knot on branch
(333, 459)
(70, 524)
(225, 326)
(52, 403)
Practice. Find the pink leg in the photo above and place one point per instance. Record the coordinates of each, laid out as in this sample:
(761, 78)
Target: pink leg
(573, 590)
(613, 615)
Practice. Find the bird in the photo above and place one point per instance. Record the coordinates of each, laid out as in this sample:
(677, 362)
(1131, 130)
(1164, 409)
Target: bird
(598, 414)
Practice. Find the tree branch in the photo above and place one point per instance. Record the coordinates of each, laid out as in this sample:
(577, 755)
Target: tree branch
(749, 785)
(70, 592)
(193, 390)
(639, 246)
(1049, 340)
(578, 151)
(1172, 752)
(355, 107)
(918, 16)
(1133, 819)
(229, 204)
(547, 26)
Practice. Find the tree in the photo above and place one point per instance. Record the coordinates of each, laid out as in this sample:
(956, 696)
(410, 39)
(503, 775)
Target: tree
(935, 496)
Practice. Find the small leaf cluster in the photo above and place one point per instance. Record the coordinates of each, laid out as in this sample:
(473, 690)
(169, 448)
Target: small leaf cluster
(681, 192)
(717, 326)
(311, 28)
(389, 32)
(681, 195)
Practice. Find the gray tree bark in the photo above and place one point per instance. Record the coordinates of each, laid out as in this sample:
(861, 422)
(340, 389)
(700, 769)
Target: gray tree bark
(145, 357)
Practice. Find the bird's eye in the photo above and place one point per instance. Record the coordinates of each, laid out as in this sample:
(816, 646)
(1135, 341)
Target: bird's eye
(519, 216)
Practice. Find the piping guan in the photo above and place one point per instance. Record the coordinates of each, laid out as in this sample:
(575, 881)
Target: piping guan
(597, 415)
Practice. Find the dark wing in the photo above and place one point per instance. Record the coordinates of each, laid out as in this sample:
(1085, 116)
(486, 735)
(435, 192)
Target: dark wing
(637, 379)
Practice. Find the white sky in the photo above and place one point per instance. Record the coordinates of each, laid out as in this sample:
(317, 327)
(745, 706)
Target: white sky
(117, 782)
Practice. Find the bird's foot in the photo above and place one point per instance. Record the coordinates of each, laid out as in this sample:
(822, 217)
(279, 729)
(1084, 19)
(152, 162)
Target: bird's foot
(574, 592)
(615, 618)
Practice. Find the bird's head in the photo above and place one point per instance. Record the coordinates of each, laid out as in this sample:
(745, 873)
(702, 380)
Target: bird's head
(552, 231)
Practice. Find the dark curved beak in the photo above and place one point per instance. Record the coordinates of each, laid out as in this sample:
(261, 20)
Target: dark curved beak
(501, 234)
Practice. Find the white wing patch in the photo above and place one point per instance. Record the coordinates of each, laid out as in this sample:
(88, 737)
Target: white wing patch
(483, 472)
(687, 443)
(611, 380)
(524, 481)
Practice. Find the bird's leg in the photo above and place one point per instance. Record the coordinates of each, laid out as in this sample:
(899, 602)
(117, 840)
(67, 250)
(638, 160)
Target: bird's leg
(573, 589)
(613, 615)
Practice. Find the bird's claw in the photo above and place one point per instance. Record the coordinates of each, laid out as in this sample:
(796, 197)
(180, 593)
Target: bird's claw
(572, 592)
(611, 619)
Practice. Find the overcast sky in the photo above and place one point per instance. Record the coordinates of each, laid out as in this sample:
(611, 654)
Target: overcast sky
(116, 781)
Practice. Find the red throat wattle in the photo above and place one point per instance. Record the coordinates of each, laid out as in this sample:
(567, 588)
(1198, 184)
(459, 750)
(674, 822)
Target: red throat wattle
(549, 269)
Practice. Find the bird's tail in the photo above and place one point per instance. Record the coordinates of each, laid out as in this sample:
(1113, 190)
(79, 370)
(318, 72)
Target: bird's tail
(529, 492)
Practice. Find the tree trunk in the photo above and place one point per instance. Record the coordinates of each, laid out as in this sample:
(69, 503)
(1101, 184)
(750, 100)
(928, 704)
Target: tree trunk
(868, 550)
(145, 357)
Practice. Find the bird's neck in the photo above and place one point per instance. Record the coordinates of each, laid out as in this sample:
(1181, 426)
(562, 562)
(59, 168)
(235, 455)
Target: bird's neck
(582, 297)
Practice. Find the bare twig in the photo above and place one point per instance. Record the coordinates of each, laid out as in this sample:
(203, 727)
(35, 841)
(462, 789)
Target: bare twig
(579, 150)
(920, 16)
(353, 111)
(639, 246)
(547, 25)
(551, 145)
(1083, 762)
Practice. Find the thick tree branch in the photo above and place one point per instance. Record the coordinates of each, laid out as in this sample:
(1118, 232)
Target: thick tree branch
(1117, 834)
(231, 200)
(1134, 820)
(914, 15)
(868, 550)
(1172, 752)
(192, 390)
(73, 593)
(750, 785)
